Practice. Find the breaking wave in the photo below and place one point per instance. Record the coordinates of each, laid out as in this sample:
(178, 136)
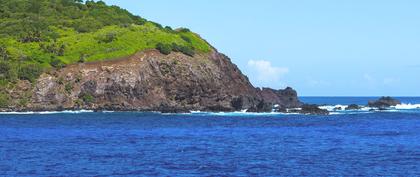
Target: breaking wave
(49, 112)
(333, 109)
(397, 108)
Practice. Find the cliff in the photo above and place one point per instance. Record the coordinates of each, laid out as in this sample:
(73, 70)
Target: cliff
(151, 81)
(59, 60)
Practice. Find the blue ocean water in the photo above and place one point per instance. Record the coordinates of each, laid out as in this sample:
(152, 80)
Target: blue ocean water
(211, 144)
(353, 100)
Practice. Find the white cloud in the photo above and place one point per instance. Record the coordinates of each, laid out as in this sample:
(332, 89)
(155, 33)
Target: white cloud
(265, 73)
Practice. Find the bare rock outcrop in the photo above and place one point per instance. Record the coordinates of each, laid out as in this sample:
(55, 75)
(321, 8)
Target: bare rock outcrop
(151, 81)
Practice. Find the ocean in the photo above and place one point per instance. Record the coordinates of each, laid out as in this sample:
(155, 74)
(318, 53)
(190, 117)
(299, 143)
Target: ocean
(84, 143)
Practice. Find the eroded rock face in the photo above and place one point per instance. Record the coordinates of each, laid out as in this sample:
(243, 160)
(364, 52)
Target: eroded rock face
(151, 81)
(286, 98)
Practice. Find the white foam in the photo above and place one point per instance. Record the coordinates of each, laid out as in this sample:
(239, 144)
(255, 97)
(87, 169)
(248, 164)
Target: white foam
(333, 107)
(47, 112)
(407, 106)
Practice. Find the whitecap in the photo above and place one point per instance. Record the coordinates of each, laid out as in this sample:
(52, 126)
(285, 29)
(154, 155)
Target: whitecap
(333, 107)
(47, 112)
(407, 106)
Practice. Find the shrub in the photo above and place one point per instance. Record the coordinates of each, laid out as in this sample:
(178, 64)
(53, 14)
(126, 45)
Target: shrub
(4, 69)
(32, 36)
(87, 98)
(4, 100)
(187, 51)
(184, 30)
(183, 49)
(164, 48)
(68, 87)
(107, 38)
(53, 48)
(168, 29)
(61, 50)
(7, 71)
(29, 72)
(82, 58)
(157, 25)
(57, 63)
(4, 54)
(186, 38)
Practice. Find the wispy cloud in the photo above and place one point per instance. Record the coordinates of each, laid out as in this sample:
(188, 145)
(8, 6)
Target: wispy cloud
(265, 73)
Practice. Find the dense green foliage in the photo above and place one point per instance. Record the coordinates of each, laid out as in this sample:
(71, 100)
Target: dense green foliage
(4, 100)
(36, 35)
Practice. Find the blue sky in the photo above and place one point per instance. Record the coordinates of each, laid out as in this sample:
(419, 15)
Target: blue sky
(320, 48)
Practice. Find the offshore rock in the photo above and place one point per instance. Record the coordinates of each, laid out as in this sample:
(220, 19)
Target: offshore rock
(384, 102)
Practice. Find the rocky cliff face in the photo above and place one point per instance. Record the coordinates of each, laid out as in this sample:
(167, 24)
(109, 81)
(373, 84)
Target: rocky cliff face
(151, 81)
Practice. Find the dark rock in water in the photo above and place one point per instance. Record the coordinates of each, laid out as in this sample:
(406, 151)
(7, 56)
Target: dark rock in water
(313, 109)
(286, 98)
(338, 109)
(353, 107)
(261, 107)
(384, 102)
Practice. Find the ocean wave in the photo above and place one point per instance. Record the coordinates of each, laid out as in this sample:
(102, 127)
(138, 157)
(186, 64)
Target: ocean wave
(333, 109)
(339, 107)
(48, 112)
(407, 106)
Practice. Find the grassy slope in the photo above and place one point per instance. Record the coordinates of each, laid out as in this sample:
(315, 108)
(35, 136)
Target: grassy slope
(128, 40)
(82, 30)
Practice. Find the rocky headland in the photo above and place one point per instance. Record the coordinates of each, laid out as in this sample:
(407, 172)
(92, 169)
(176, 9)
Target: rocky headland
(151, 81)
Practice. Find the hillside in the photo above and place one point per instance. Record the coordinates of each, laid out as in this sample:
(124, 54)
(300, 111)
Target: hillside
(40, 35)
(53, 33)
(65, 54)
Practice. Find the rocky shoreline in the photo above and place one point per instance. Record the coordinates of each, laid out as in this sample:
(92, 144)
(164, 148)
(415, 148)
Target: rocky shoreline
(152, 81)
(383, 103)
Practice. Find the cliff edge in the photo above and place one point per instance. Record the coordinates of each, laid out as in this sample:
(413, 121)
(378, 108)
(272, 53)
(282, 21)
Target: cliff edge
(151, 81)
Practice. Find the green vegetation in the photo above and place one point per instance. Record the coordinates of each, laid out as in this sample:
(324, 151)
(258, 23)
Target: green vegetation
(167, 49)
(37, 35)
(87, 98)
(164, 48)
(4, 100)
(68, 87)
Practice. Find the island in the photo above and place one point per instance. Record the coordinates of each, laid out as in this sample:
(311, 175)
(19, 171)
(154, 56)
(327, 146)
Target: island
(70, 55)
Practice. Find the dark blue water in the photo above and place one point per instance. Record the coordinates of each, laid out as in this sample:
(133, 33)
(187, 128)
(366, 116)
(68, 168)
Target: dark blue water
(146, 144)
(353, 100)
